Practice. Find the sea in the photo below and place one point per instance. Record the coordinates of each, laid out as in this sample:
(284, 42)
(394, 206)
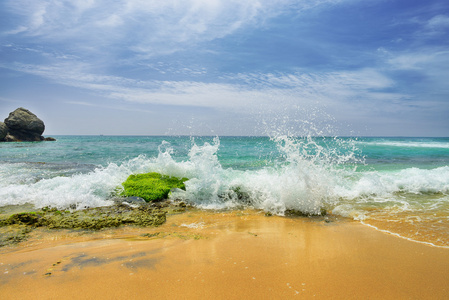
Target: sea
(399, 185)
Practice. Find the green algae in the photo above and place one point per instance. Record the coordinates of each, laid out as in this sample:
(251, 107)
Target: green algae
(104, 217)
(14, 228)
(183, 236)
(13, 234)
(23, 218)
(298, 213)
(151, 186)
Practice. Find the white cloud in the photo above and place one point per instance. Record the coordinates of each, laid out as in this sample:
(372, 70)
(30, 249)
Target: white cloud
(110, 21)
(411, 61)
(353, 92)
(438, 23)
(17, 30)
(324, 83)
(147, 26)
(430, 28)
(426, 55)
(432, 64)
(81, 103)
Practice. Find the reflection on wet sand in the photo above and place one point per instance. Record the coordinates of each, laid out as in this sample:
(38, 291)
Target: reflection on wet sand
(225, 255)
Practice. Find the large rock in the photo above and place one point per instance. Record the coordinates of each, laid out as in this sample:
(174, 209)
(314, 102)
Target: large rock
(23, 125)
(3, 131)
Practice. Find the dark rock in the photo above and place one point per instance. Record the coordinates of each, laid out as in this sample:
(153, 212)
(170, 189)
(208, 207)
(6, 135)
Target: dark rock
(49, 139)
(135, 200)
(3, 131)
(23, 125)
(23, 119)
(130, 200)
(298, 213)
(10, 138)
(23, 219)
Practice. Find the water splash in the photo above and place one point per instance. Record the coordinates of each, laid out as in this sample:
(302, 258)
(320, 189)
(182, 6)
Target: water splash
(302, 178)
(305, 174)
(275, 174)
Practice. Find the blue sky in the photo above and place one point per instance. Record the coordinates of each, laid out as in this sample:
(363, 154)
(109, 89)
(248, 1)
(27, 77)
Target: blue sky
(215, 67)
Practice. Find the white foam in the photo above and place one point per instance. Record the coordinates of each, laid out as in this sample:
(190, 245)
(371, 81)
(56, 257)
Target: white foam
(409, 144)
(303, 182)
(307, 177)
(403, 237)
(77, 191)
(411, 180)
(198, 225)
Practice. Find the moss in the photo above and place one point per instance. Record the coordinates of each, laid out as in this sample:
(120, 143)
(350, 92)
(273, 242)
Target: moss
(183, 236)
(79, 221)
(104, 217)
(298, 213)
(26, 218)
(151, 186)
(142, 218)
(14, 228)
(241, 195)
(13, 234)
(91, 218)
(150, 235)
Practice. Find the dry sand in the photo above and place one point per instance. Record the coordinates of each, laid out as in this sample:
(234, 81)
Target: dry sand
(233, 255)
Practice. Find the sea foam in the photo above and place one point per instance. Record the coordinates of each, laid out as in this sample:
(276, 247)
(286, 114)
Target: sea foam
(306, 176)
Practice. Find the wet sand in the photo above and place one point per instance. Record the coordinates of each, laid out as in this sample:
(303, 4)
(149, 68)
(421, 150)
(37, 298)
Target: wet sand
(232, 255)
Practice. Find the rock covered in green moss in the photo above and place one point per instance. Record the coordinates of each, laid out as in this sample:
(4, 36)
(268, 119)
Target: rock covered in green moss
(91, 218)
(298, 213)
(13, 234)
(151, 186)
(25, 218)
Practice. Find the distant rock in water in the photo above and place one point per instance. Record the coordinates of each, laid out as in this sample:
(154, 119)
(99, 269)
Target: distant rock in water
(22, 126)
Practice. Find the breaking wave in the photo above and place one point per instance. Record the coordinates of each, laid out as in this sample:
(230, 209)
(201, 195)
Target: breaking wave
(305, 175)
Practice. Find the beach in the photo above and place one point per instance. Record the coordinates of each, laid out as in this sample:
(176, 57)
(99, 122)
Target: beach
(224, 149)
(238, 254)
(260, 218)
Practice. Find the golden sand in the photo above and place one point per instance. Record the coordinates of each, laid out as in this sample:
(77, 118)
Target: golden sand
(233, 255)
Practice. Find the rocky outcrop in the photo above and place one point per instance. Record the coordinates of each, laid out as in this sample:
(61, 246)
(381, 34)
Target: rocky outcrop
(22, 125)
(3, 130)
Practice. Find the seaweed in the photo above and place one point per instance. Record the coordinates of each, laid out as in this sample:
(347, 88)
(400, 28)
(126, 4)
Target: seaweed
(16, 227)
(151, 187)
(298, 213)
(13, 234)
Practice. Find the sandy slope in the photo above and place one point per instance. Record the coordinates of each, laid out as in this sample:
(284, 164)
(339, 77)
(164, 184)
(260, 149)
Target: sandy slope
(233, 255)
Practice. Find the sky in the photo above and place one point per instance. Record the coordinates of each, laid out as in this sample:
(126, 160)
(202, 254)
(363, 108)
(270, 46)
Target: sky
(226, 67)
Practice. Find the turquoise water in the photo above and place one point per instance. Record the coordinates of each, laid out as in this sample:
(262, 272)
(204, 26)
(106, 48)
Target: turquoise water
(234, 152)
(360, 178)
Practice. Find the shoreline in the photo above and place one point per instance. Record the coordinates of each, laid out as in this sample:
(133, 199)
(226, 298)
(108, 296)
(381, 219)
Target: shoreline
(225, 255)
(398, 235)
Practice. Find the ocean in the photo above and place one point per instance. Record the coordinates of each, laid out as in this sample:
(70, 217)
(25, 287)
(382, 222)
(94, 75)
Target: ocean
(397, 185)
